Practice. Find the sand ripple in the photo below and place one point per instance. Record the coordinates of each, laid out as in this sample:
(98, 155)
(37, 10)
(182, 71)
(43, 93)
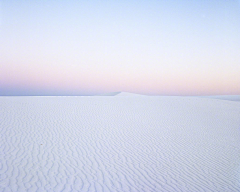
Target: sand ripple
(119, 144)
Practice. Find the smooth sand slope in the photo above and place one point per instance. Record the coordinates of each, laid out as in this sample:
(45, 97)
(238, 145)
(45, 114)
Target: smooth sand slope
(119, 144)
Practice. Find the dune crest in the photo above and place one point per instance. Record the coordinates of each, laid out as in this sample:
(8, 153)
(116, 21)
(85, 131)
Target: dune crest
(128, 94)
(108, 94)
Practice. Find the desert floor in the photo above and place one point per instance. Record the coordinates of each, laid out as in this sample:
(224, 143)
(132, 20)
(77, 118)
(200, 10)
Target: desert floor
(124, 143)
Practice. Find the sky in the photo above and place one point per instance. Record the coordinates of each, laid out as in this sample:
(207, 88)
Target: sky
(151, 47)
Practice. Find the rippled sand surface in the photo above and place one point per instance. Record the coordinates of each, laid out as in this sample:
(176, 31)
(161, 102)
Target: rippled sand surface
(119, 144)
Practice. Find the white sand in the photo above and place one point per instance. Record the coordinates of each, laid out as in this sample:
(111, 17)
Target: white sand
(125, 94)
(224, 97)
(119, 144)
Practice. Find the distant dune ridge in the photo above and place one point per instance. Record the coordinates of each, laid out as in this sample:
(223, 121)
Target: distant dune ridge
(119, 144)
(128, 94)
(119, 94)
(221, 97)
(109, 94)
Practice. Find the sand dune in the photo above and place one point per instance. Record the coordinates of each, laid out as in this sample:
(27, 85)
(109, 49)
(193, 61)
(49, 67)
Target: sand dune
(109, 94)
(120, 94)
(220, 97)
(128, 94)
(119, 144)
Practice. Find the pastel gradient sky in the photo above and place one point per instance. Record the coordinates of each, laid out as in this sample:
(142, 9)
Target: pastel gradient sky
(154, 47)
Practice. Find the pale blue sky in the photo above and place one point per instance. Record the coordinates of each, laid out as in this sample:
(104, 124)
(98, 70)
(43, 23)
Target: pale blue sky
(149, 47)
